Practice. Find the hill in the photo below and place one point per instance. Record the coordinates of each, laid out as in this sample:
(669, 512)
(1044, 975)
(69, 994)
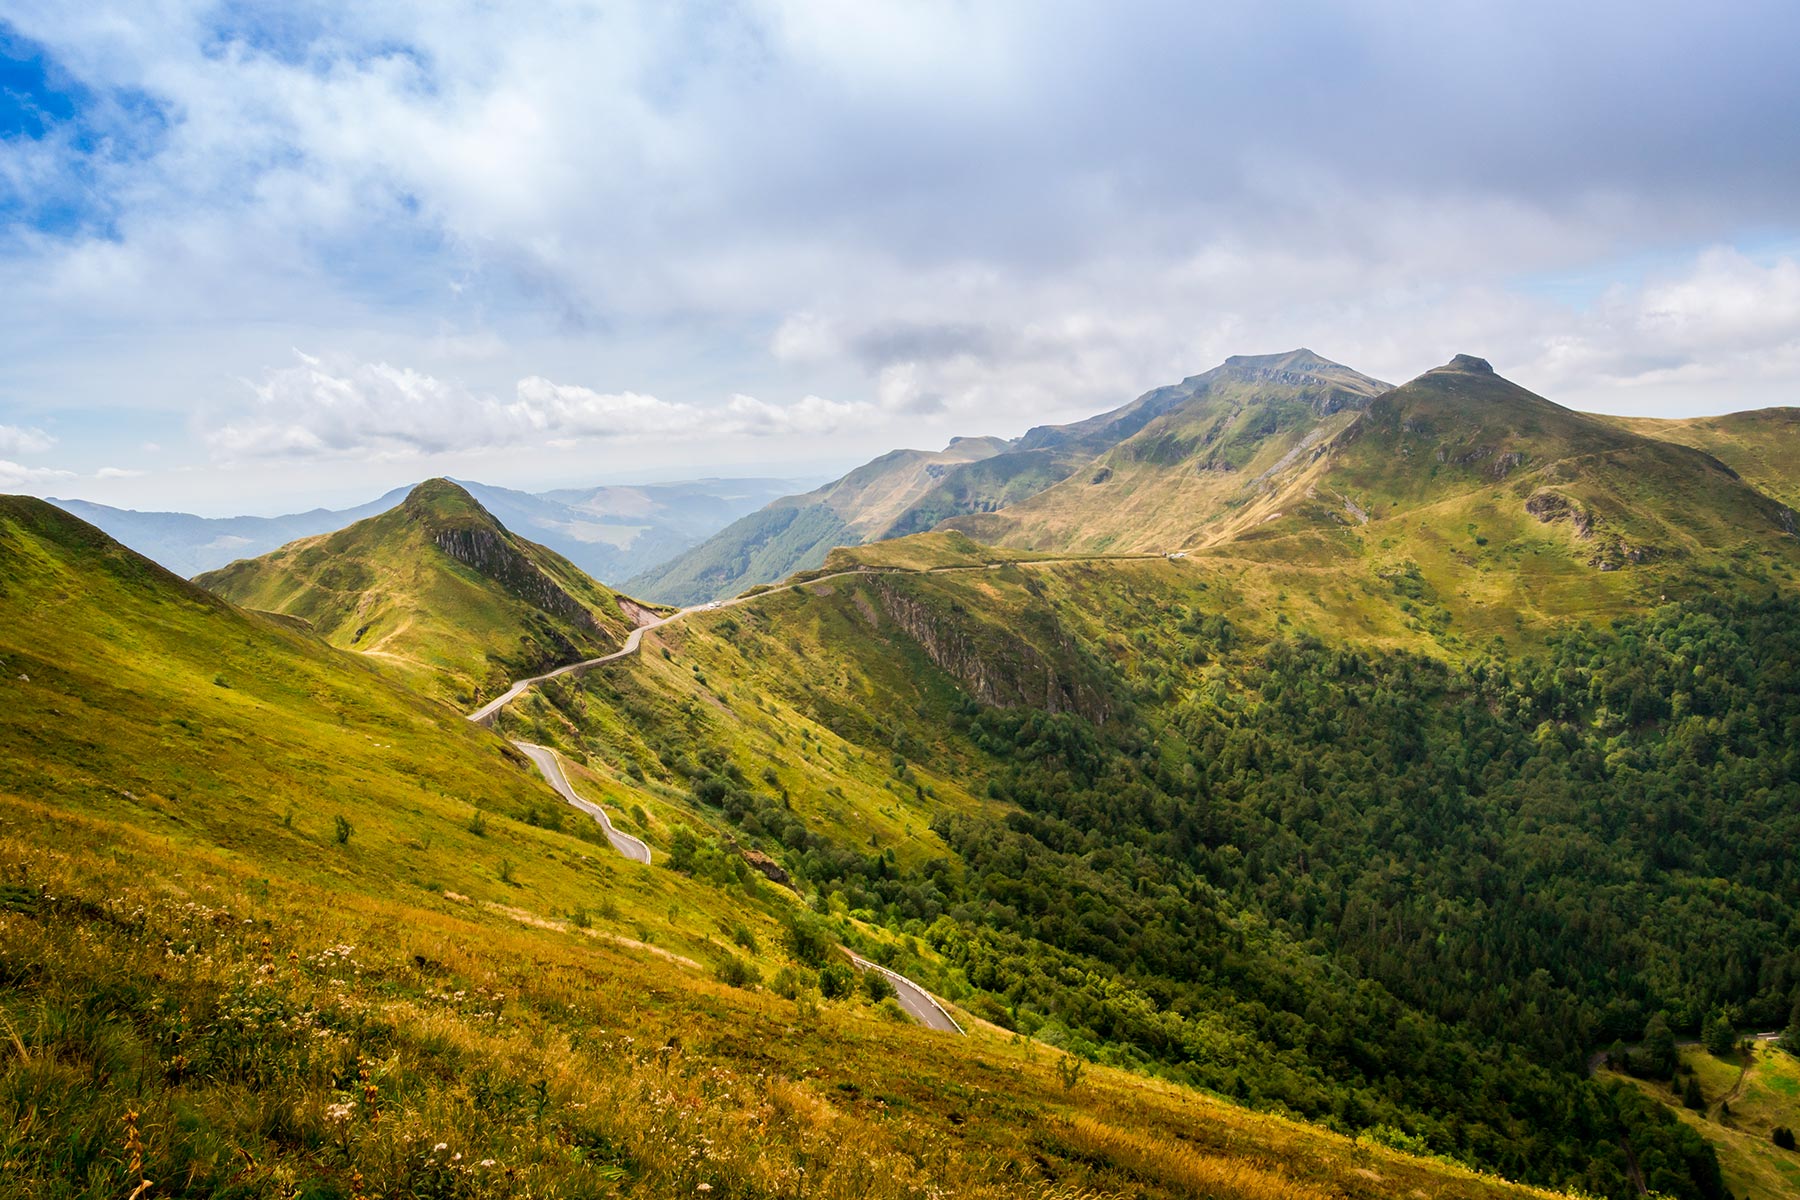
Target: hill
(438, 591)
(1743, 1098)
(271, 925)
(1149, 814)
(1758, 445)
(1213, 439)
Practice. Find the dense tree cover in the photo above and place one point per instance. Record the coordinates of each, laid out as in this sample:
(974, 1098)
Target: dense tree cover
(1382, 890)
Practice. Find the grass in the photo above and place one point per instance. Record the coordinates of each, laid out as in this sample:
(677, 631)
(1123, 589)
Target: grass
(459, 628)
(273, 1045)
(1764, 1091)
(208, 991)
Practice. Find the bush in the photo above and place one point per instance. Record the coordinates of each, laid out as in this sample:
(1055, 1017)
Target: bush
(737, 973)
(809, 939)
(477, 824)
(876, 986)
(836, 981)
(790, 984)
(1783, 1137)
(343, 829)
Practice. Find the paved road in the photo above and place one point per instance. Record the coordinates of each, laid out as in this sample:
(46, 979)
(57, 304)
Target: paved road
(915, 1000)
(546, 762)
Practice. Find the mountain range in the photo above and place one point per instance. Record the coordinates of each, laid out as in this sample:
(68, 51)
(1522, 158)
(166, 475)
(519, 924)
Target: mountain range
(610, 532)
(1286, 784)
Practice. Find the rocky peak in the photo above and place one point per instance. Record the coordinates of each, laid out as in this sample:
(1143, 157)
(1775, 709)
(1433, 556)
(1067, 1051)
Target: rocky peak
(1470, 364)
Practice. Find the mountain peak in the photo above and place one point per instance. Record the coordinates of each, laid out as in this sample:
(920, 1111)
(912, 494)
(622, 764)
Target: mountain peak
(1469, 364)
(443, 499)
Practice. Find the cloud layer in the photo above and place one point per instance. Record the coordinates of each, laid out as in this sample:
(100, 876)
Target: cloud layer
(595, 225)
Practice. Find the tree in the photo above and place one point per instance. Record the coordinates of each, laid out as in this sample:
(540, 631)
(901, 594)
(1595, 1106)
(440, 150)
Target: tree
(1790, 1040)
(1690, 1095)
(1718, 1035)
(1659, 1047)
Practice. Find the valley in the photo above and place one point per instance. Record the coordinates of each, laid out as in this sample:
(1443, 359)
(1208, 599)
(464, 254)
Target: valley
(1212, 839)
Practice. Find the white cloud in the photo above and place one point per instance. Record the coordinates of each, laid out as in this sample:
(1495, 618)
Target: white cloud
(14, 440)
(317, 409)
(810, 415)
(13, 475)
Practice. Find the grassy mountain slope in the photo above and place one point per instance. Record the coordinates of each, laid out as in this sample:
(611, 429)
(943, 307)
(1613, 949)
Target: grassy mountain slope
(1510, 510)
(1159, 812)
(207, 988)
(1745, 1096)
(796, 532)
(1219, 437)
(1758, 445)
(438, 591)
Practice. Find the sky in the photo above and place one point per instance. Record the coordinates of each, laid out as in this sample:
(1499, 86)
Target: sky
(259, 257)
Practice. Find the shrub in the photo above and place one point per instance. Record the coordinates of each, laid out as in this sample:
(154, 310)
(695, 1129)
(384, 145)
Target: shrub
(809, 939)
(790, 984)
(738, 973)
(343, 829)
(876, 986)
(477, 824)
(836, 981)
(1783, 1137)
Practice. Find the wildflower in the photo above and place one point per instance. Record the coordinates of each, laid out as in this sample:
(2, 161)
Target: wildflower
(440, 1146)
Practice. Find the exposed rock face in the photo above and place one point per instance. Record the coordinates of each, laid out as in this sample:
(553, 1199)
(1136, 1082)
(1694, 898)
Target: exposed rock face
(1004, 671)
(771, 870)
(1468, 362)
(1549, 506)
(485, 550)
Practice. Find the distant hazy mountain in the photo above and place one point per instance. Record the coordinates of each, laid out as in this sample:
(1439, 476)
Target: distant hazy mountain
(188, 545)
(609, 532)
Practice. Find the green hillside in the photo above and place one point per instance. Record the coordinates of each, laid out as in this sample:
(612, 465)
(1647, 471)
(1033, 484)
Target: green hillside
(271, 926)
(912, 491)
(439, 592)
(1758, 445)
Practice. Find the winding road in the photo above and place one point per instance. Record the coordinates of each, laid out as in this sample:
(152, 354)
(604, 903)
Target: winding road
(546, 762)
(914, 1000)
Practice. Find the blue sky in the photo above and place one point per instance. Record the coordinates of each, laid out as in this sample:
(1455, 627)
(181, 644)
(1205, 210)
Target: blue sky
(261, 261)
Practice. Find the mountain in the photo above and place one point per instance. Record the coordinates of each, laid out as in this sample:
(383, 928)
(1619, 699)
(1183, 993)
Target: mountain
(911, 491)
(188, 545)
(611, 532)
(616, 532)
(438, 590)
(794, 533)
(1206, 442)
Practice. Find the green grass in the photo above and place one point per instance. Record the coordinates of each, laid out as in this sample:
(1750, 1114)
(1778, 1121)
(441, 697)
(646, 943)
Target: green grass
(209, 991)
(458, 625)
